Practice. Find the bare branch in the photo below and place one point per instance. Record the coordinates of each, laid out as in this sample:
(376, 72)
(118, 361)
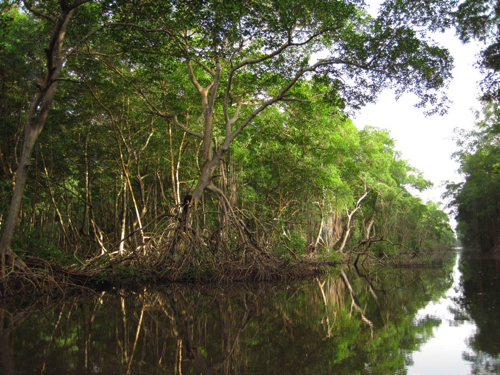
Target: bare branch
(271, 101)
(362, 197)
(193, 78)
(232, 120)
(66, 80)
(284, 46)
(179, 125)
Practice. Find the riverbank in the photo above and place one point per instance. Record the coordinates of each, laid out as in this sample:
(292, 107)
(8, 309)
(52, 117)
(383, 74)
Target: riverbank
(104, 273)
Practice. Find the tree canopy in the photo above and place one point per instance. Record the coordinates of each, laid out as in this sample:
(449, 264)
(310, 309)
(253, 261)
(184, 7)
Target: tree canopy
(185, 132)
(476, 201)
(479, 20)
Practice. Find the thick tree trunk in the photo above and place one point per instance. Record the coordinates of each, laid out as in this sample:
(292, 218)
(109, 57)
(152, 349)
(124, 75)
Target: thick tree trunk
(32, 131)
(39, 110)
(204, 180)
(11, 222)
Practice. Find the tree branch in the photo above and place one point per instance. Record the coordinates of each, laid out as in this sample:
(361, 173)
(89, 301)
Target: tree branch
(39, 12)
(179, 125)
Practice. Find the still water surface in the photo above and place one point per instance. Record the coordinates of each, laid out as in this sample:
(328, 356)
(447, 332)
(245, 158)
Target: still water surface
(442, 320)
(450, 350)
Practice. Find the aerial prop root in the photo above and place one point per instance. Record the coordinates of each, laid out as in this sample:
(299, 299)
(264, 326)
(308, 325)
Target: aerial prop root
(36, 276)
(16, 274)
(229, 219)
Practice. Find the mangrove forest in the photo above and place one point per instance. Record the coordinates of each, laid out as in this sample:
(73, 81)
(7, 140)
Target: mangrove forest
(189, 140)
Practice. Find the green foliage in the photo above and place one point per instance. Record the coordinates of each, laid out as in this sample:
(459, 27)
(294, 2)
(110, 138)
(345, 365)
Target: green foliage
(296, 242)
(119, 275)
(122, 142)
(198, 272)
(479, 20)
(477, 200)
(34, 242)
(128, 274)
(480, 300)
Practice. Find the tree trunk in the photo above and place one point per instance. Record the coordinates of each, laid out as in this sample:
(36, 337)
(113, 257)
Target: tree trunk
(370, 226)
(123, 225)
(39, 110)
(32, 131)
(350, 216)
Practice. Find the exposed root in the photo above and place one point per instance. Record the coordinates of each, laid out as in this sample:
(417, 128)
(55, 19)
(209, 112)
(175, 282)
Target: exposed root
(177, 251)
(36, 276)
(197, 261)
(227, 253)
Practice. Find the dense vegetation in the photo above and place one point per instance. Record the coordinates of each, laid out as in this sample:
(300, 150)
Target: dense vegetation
(481, 280)
(189, 137)
(477, 199)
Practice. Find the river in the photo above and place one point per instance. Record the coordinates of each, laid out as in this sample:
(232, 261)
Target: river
(455, 346)
(382, 320)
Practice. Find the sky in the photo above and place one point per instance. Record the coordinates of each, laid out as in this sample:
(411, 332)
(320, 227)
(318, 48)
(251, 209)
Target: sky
(426, 141)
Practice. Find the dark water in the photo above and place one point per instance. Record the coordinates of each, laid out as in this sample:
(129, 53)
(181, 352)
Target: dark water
(379, 321)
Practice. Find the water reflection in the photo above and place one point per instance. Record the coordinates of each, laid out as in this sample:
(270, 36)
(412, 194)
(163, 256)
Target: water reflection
(453, 348)
(349, 322)
(481, 302)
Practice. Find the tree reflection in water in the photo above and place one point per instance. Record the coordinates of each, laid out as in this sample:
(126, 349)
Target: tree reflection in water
(8, 323)
(480, 302)
(347, 322)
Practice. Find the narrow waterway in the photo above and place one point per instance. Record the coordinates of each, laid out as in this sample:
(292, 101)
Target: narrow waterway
(449, 347)
(460, 344)
(425, 320)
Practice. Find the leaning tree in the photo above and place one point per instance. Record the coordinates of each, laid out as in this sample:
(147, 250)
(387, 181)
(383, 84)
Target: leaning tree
(58, 17)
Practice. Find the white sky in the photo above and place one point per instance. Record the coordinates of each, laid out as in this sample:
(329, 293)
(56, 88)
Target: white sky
(426, 142)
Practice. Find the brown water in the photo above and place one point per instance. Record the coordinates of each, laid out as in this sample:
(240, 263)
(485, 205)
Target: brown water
(379, 321)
